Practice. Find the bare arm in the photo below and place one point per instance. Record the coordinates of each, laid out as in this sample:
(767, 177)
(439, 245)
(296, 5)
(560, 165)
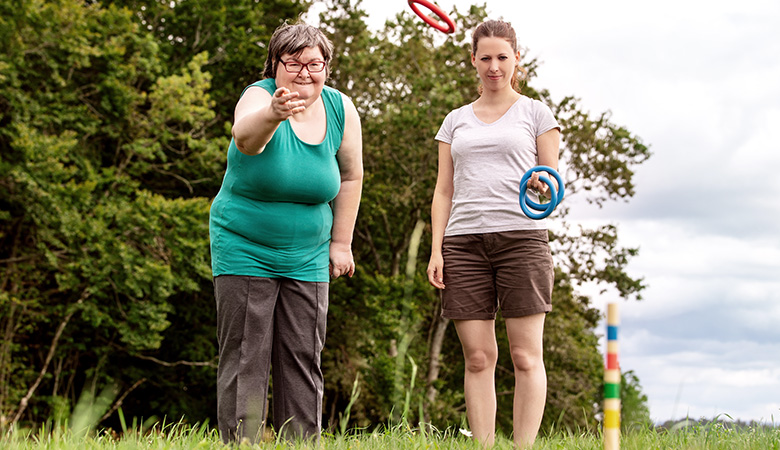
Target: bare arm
(347, 202)
(547, 147)
(440, 214)
(258, 115)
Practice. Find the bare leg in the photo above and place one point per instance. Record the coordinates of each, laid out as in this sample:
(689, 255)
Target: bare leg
(478, 338)
(525, 342)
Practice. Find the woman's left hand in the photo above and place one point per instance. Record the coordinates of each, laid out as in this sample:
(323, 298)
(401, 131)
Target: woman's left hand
(341, 260)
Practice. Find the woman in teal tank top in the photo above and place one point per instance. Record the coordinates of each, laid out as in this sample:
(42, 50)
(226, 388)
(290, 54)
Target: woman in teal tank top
(272, 218)
(281, 226)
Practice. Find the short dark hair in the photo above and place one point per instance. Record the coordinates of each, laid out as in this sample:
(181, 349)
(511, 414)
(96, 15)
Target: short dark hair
(292, 39)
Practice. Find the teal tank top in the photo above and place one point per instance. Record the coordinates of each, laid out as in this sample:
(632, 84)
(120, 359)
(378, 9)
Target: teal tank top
(272, 217)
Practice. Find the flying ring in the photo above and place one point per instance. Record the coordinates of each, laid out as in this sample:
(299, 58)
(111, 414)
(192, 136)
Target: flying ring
(450, 25)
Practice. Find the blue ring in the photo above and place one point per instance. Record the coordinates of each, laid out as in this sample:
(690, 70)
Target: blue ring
(555, 197)
(545, 210)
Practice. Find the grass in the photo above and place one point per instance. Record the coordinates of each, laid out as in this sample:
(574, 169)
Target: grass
(202, 437)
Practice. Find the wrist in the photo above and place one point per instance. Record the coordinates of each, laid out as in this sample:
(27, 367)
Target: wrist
(272, 116)
(341, 245)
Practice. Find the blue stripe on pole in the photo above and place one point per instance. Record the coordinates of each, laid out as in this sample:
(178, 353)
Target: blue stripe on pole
(612, 332)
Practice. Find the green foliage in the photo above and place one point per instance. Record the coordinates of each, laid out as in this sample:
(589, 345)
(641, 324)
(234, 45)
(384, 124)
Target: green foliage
(634, 413)
(594, 256)
(364, 332)
(575, 370)
(232, 33)
(403, 83)
(100, 244)
(599, 154)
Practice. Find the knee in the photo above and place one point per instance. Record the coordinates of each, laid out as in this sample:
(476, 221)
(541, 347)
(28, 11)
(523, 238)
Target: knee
(480, 360)
(525, 361)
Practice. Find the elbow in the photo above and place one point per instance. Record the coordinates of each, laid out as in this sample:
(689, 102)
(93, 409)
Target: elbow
(359, 175)
(443, 193)
(244, 146)
(247, 151)
(354, 175)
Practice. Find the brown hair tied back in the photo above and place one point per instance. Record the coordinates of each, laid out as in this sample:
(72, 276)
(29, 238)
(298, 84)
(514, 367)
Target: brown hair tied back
(499, 29)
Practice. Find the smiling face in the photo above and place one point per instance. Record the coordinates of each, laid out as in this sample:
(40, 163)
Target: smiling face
(309, 85)
(496, 63)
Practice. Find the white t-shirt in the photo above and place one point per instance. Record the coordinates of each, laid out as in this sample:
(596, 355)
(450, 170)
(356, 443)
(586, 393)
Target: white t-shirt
(489, 160)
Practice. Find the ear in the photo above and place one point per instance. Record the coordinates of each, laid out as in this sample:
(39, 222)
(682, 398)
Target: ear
(473, 60)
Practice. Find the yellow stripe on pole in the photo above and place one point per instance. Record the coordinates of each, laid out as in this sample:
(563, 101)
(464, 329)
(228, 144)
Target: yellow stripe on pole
(612, 347)
(611, 418)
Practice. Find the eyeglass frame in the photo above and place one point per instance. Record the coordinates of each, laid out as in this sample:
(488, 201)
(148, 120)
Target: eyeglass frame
(303, 66)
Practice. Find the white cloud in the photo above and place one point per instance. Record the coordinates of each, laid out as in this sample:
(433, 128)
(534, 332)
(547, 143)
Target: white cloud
(700, 378)
(697, 82)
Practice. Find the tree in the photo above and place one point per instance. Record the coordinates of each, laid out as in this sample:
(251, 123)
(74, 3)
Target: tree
(634, 413)
(397, 82)
(99, 253)
(233, 34)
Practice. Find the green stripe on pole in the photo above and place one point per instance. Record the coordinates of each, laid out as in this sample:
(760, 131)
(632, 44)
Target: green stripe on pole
(611, 390)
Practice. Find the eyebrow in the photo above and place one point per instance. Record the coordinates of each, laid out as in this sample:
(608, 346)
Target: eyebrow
(297, 55)
(298, 60)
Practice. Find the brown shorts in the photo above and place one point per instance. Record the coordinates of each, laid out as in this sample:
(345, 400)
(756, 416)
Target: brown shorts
(511, 270)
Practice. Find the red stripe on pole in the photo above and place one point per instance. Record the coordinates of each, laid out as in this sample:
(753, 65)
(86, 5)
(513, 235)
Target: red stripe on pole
(612, 361)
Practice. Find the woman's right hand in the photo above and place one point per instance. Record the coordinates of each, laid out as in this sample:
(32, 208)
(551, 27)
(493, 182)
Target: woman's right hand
(436, 271)
(284, 105)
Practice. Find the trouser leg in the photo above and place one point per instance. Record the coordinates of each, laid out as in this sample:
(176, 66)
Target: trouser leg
(301, 315)
(245, 311)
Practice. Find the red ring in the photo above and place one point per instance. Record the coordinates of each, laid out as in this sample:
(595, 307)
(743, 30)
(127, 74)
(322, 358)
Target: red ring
(436, 10)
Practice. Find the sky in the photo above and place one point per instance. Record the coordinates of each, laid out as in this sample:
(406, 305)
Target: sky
(699, 82)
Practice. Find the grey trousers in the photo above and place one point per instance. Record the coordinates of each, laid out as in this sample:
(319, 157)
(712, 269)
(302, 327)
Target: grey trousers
(264, 323)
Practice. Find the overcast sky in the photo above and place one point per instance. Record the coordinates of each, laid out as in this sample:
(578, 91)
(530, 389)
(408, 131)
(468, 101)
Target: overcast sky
(699, 82)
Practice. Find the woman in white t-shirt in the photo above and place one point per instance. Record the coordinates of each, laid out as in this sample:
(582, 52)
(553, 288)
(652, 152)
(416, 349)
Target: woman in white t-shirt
(486, 252)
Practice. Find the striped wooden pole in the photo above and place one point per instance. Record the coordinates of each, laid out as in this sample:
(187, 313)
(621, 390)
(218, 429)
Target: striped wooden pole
(612, 382)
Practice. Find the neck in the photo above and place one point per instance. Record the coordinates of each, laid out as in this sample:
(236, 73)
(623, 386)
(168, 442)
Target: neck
(506, 95)
(310, 111)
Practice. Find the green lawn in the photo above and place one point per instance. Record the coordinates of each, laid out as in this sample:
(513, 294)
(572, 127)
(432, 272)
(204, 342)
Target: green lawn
(180, 436)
